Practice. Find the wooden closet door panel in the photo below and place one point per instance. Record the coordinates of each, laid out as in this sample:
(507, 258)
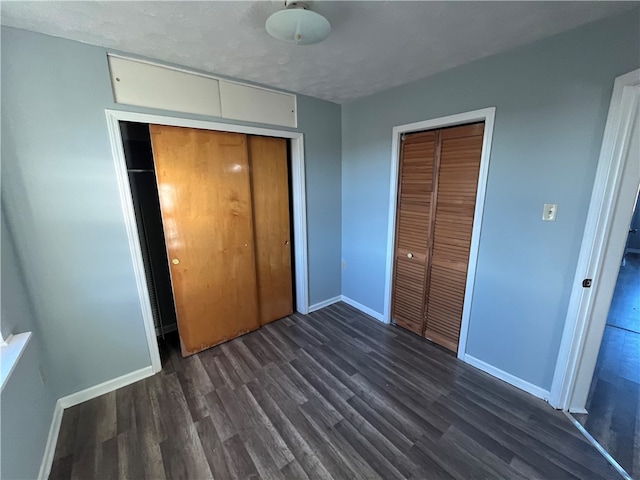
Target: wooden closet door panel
(205, 199)
(272, 223)
(457, 180)
(413, 229)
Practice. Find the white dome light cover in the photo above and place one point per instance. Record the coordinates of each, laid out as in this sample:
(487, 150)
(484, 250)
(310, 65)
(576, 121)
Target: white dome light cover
(298, 25)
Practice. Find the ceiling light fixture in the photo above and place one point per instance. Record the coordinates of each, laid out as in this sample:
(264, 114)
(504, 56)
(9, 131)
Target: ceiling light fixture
(299, 25)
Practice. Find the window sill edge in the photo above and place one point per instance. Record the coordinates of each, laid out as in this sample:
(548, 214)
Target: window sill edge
(10, 355)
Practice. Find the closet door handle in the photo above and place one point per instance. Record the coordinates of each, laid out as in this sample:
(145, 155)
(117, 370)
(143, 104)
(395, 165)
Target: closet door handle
(175, 261)
(409, 255)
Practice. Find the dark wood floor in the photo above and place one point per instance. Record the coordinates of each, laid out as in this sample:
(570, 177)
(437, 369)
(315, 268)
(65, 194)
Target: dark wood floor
(334, 394)
(614, 399)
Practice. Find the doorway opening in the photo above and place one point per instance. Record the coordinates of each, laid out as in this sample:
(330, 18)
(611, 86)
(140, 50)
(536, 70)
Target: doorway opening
(606, 232)
(613, 404)
(598, 275)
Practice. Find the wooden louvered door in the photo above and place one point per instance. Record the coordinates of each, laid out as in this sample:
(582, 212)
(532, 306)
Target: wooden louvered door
(457, 181)
(436, 204)
(413, 231)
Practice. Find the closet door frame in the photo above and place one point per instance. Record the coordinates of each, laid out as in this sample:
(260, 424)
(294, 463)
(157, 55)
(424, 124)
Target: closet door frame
(486, 115)
(114, 117)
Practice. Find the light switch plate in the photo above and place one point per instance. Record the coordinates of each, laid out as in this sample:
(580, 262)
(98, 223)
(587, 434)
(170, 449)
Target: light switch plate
(549, 212)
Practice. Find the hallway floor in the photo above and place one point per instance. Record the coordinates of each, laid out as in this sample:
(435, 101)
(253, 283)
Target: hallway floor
(614, 400)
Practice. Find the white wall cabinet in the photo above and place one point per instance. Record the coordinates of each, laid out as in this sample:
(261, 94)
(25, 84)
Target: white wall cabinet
(149, 85)
(242, 102)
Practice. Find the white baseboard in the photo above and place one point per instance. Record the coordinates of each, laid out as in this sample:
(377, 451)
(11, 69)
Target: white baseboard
(52, 440)
(325, 303)
(507, 377)
(579, 411)
(105, 387)
(485, 367)
(362, 308)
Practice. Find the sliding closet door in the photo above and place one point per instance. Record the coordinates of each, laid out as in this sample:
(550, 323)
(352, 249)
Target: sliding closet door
(413, 229)
(457, 180)
(271, 213)
(205, 198)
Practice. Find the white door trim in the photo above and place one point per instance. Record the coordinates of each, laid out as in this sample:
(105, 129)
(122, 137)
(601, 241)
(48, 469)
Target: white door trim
(596, 235)
(298, 195)
(486, 115)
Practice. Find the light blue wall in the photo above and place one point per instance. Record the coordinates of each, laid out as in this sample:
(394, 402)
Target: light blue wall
(322, 123)
(14, 301)
(26, 403)
(60, 193)
(61, 196)
(552, 99)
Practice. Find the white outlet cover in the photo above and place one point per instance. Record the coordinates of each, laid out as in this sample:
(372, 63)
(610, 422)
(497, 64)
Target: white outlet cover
(549, 212)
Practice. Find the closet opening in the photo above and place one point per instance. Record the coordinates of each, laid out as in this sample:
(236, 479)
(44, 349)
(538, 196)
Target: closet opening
(138, 154)
(214, 215)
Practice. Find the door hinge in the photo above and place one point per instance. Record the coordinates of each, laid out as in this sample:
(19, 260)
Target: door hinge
(403, 136)
(586, 283)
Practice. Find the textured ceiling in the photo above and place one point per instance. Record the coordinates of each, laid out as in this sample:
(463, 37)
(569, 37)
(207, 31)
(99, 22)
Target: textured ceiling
(373, 45)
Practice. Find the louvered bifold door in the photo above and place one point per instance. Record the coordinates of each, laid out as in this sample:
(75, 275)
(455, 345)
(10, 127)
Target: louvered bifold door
(413, 225)
(457, 180)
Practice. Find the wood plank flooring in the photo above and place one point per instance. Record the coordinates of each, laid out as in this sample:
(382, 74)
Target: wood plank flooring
(334, 394)
(614, 399)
